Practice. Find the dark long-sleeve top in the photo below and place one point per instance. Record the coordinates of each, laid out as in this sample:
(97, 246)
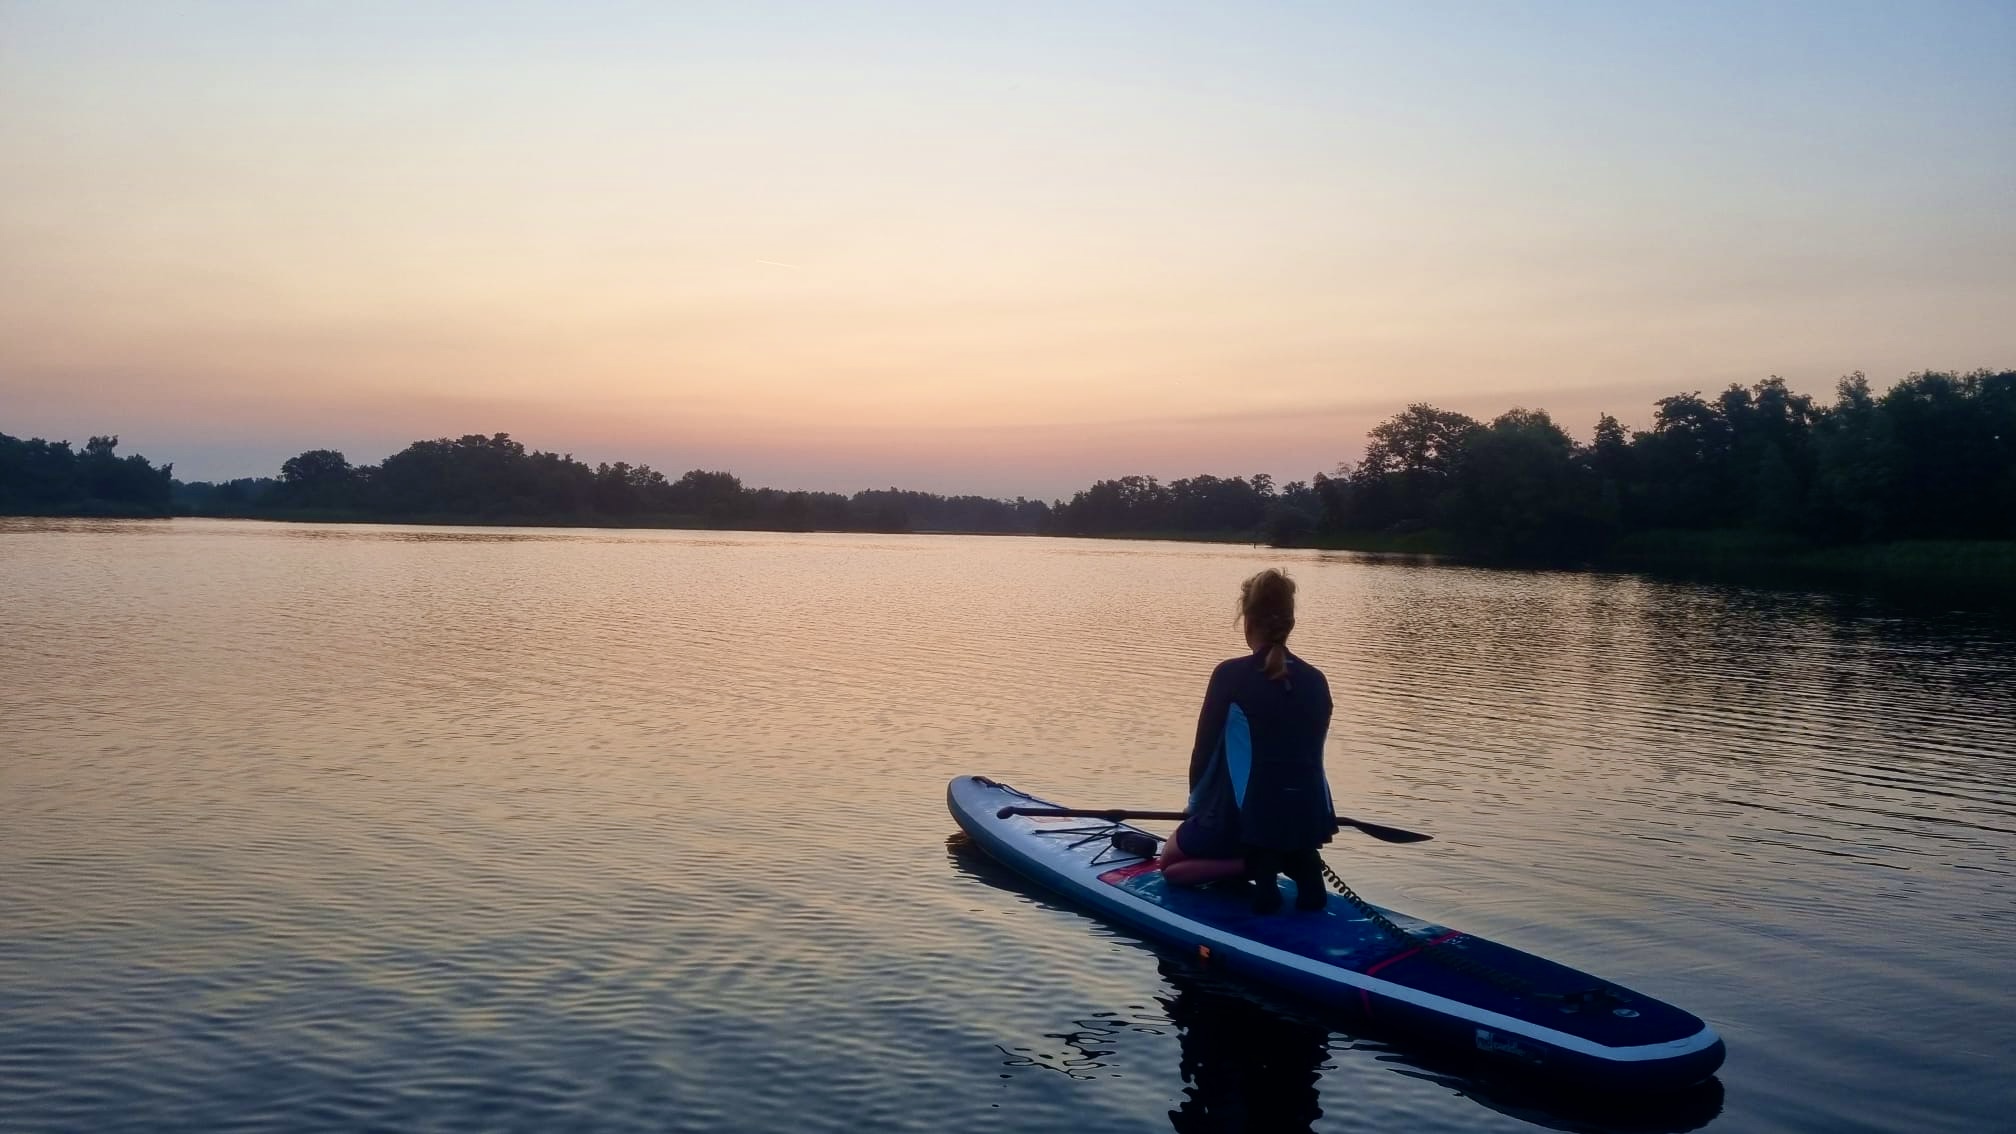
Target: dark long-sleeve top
(1256, 771)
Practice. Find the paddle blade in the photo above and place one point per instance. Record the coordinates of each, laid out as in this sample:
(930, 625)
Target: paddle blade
(1386, 834)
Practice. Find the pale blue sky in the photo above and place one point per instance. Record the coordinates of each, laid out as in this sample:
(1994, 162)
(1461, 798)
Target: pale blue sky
(1001, 249)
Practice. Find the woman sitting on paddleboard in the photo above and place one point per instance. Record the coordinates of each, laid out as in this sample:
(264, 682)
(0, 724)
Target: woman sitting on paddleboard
(1259, 805)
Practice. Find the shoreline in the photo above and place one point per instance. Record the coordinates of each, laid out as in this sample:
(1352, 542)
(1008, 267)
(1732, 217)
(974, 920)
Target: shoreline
(1982, 565)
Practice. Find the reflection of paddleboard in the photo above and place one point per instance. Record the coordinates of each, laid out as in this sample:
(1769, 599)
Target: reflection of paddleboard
(1444, 986)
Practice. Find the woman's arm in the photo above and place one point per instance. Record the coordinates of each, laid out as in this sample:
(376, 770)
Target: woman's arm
(1210, 726)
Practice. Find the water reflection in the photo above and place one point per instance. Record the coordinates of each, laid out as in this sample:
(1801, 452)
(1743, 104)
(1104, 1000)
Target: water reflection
(1245, 1066)
(23, 525)
(1248, 1062)
(348, 533)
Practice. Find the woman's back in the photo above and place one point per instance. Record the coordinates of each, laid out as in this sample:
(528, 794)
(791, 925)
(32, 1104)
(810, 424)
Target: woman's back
(1257, 766)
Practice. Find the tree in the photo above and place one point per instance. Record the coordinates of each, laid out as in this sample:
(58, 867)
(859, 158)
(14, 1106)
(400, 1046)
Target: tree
(1682, 465)
(1333, 502)
(1128, 504)
(1420, 440)
(1949, 451)
(319, 478)
(796, 513)
(1404, 477)
(615, 495)
(1519, 492)
(1772, 463)
(40, 477)
(1610, 450)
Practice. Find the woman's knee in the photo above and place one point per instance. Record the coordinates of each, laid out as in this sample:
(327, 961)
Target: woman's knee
(1198, 871)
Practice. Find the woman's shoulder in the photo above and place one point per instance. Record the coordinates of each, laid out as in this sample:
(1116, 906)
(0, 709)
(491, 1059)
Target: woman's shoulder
(1309, 674)
(1232, 667)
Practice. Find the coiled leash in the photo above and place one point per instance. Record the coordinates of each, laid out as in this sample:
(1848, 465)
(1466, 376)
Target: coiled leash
(1443, 952)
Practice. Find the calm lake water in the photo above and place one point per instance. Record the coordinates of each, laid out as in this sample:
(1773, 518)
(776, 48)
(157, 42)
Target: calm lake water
(328, 828)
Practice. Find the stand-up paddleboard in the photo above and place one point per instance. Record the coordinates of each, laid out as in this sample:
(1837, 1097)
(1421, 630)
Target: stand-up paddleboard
(1430, 981)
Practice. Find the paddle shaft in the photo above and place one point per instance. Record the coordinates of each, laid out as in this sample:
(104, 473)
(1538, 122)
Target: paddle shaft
(1121, 815)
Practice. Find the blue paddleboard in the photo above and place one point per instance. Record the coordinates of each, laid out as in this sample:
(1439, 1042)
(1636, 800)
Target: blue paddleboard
(1430, 981)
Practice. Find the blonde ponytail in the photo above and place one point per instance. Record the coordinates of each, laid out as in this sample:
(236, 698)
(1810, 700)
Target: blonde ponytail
(1267, 604)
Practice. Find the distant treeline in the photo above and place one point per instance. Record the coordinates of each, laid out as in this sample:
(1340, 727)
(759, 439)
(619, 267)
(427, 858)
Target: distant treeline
(1933, 457)
(48, 478)
(495, 479)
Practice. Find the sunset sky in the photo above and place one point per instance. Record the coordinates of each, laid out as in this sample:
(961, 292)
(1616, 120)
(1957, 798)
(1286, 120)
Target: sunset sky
(1003, 249)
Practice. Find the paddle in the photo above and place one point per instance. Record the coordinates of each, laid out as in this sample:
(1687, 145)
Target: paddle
(1382, 833)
